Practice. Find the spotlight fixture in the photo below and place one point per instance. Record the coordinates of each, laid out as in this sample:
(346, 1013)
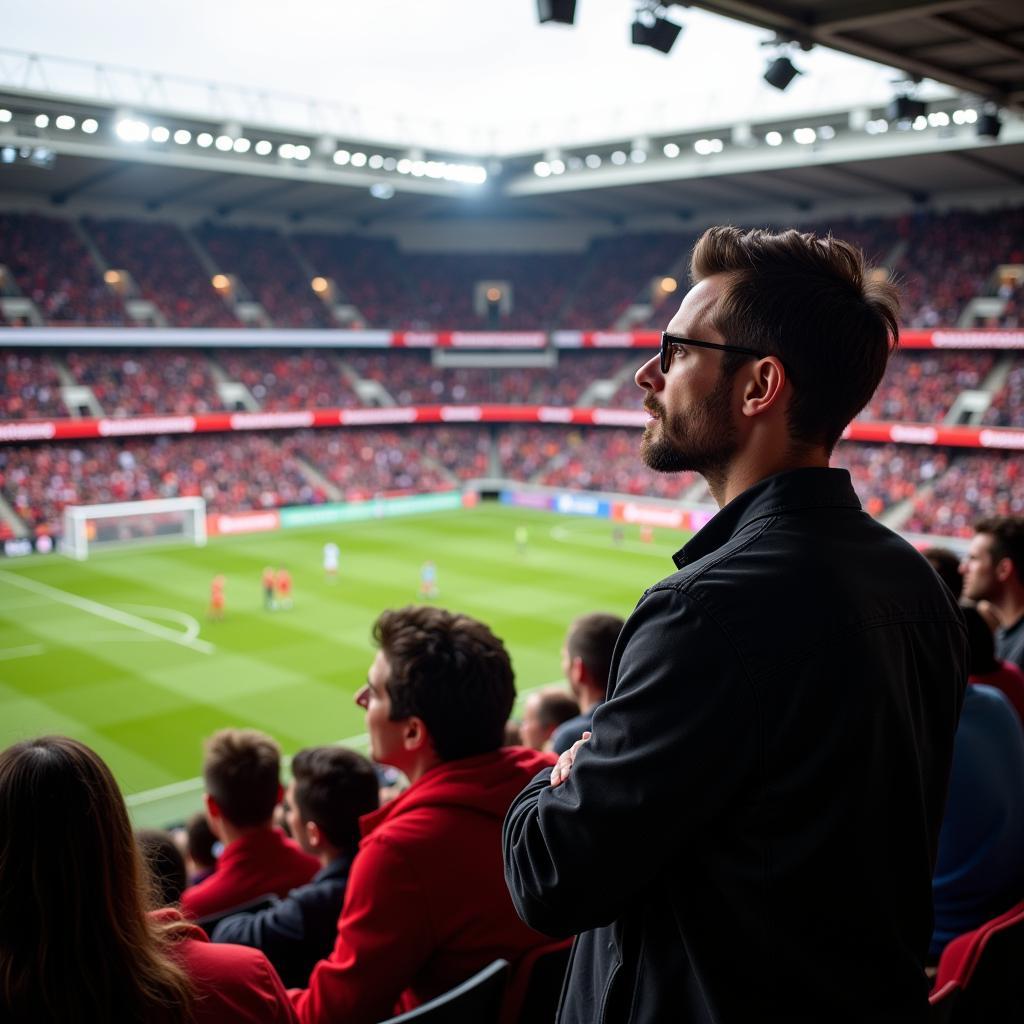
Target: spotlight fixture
(651, 28)
(561, 12)
(780, 72)
(989, 125)
(904, 108)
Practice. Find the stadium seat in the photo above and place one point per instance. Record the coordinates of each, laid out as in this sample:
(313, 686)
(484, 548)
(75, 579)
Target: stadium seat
(980, 980)
(536, 984)
(475, 1001)
(211, 921)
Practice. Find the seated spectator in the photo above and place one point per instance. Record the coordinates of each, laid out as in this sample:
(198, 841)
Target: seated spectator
(242, 775)
(426, 905)
(979, 870)
(988, 670)
(586, 660)
(165, 863)
(543, 712)
(947, 564)
(331, 789)
(200, 844)
(76, 943)
(994, 572)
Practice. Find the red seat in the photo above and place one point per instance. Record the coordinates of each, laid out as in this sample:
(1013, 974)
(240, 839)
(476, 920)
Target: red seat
(981, 974)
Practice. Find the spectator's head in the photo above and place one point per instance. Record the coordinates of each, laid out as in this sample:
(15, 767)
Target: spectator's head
(440, 688)
(200, 843)
(165, 864)
(331, 788)
(543, 712)
(587, 655)
(74, 933)
(981, 644)
(946, 564)
(815, 327)
(994, 567)
(241, 770)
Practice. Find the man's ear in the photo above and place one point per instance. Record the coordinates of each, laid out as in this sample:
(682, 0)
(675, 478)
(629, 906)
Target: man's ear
(414, 734)
(577, 670)
(314, 837)
(764, 386)
(1004, 569)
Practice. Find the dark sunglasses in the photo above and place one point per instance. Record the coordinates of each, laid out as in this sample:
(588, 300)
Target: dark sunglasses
(668, 341)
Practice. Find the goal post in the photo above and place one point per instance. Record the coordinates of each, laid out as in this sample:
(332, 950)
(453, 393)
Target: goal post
(163, 520)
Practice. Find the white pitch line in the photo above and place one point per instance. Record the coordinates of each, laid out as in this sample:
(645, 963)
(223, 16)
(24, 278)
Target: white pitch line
(104, 611)
(148, 796)
(25, 651)
(190, 623)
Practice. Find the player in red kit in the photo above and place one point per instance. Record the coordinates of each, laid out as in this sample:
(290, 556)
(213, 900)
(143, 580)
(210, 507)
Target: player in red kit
(216, 609)
(283, 584)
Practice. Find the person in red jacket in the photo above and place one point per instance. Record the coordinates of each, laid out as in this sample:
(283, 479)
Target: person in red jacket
(426, 904)
(76, 941)
(242, 774)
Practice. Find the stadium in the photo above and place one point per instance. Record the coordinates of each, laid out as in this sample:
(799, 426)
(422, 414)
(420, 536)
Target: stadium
(250, 318)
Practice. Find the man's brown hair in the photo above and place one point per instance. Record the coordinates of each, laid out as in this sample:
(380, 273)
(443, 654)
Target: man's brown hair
(812, 302)
(452, 672)
(555, 706)
(592, 639)
(1007, 533)
(335, 787)
(242, 772)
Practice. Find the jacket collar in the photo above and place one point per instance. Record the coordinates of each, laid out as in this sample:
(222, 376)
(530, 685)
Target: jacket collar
(784, 492)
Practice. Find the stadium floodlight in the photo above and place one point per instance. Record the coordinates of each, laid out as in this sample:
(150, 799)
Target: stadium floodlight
(560, 12)
(204, 140)
(42, 120)
(542, 169)
(342, 157)
(671, 150)
(241, 145)
(5, 115)
(404, 166)
(618, 158)
(90, 126)
(773, 138)
(224, 143)
(302, 152)
(359, 160)
(706, 147)
(651, 28)
(65, 122)
(286, 151)
(129, 129)
(638, 155)
(780, 73)
(182, 136)
(160, 133)
(805, 136)
(376, 162)
(390, 163)
(164, 520)
(593, 161)
(989, 125)
(557, 166)
(905, 108)
(264, 147)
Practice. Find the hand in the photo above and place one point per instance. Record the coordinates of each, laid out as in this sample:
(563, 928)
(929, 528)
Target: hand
(565, 762)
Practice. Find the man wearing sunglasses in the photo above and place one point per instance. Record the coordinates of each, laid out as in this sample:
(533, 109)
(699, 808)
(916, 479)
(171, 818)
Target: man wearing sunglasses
(749, 831)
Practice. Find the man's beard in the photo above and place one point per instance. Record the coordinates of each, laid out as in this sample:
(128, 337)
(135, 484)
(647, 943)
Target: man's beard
(701, 438)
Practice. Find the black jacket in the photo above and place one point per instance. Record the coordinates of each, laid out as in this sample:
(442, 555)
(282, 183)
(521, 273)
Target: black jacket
(297, 931)
(750, 833)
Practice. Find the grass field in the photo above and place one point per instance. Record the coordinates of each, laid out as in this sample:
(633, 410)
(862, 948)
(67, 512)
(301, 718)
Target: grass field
(118, 651)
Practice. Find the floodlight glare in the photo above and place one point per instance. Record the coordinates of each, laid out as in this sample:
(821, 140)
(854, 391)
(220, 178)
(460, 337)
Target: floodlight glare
(671, 150)
(5, 116)
(65, 122)
(90, 126)
(376, 162)
(182, 136)
(561, 12)
(359, 160)
(241, 145)
(650, 29)
(42, 120)
(780, 72)
(160, 134)
(204, 140)
(264, 147)
(773, 138)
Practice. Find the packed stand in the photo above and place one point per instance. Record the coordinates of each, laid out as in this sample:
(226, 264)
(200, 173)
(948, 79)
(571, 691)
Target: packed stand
(52, 267)
(950, 258)
(411, 378)
(145, 382)
(362, 463)
(282, 380)
(590, 459)
(29, 386)
(261, 259)
(1007, 407)
(165, 268)
(884, 475)
(920, 387)
(976, 484)
(232, 473)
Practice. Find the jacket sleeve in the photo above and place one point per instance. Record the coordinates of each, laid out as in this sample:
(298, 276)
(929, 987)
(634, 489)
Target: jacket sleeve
(671, 750)
(275, 930)
(384, 938)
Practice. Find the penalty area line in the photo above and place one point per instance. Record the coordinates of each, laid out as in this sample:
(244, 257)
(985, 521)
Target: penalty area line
(104, 611)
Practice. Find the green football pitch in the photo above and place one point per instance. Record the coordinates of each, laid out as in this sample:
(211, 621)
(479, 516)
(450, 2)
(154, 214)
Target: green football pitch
(118, 651)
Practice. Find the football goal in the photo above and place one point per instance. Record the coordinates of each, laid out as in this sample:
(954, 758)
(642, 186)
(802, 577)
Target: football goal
(164, 520)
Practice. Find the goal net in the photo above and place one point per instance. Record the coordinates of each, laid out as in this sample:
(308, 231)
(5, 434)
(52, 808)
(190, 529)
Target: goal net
(164, 520)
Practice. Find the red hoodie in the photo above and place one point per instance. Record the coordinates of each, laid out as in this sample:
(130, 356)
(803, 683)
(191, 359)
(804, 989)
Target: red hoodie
(426, 904)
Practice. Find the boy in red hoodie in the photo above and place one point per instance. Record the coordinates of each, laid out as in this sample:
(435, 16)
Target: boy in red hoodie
(426, 904)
